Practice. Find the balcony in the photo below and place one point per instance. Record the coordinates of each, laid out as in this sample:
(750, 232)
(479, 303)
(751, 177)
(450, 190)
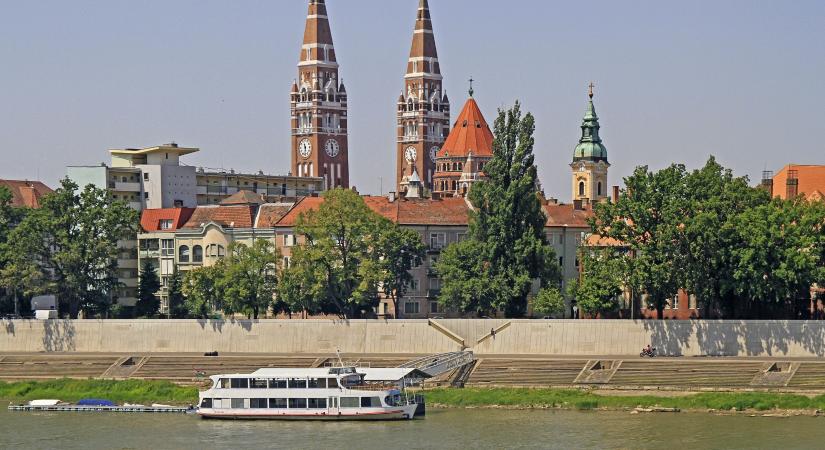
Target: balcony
(126, 187)
(433, 293)
(127, 263)
(151, 253)
(407, 139)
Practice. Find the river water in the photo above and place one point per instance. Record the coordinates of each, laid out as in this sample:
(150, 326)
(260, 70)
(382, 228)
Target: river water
(446, 429)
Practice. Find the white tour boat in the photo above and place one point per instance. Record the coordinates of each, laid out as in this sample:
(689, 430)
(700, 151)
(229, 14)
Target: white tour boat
(327, 393)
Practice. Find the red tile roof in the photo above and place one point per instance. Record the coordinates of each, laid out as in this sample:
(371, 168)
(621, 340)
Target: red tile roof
(26, 193)
(470, 133)
(809, 180)
(567, 215)
(243, 198)
(303, 205)
(227, 216)
(150, 218)
(270, 214)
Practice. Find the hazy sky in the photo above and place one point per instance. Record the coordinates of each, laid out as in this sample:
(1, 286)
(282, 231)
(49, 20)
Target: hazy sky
(676, 81)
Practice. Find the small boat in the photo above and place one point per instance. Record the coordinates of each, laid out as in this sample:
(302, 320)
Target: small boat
(44, 402)
(328, 393)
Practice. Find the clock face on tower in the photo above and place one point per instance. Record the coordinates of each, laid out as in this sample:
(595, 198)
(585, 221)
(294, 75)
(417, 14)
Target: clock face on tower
(410, 154)
(433, 153)
(305, 148)
(332, 148)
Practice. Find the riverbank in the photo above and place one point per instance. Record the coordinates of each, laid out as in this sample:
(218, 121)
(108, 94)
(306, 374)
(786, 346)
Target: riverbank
(525, 398)
(127, 391)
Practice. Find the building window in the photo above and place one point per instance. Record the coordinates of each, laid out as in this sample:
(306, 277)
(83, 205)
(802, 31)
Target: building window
(167, 247)
(581, 188)
(145, 176)
(411, 308)
(435, 284)
(286, 262)
(414, 285)
(435, 308)
(599, 189)
(692, 302)
(197, 254)
(561, 261)
(289, 240)
(183, 254)
(438, 240)
(166, 224)
(675, 301)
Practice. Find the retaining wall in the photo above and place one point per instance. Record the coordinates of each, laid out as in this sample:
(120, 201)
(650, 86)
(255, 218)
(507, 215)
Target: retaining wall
(536, 337)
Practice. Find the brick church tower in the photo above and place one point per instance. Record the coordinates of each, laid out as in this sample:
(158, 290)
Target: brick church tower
(318, 102)
(423, 107)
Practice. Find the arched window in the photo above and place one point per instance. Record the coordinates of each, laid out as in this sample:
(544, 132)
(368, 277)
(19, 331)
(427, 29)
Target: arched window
(183, 254)
(599, 189)
(581, 188)
(221, 251)
(197, 254)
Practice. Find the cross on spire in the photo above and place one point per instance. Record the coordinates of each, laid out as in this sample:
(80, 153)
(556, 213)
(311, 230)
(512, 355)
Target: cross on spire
(590, 90)
(471, 86)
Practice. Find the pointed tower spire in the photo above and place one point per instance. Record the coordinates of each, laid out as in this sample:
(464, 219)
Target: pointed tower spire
(319, 106)
(423, 110)
(590, 163)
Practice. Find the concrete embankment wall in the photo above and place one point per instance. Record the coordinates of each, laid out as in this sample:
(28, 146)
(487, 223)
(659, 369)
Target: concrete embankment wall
(525, 337)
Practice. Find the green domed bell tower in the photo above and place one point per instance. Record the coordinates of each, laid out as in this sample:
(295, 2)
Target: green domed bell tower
(590, 159)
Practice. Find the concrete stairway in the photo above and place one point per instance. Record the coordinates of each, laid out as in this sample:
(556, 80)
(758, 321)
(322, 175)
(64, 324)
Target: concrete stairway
(525, 372)
(14, 367)
(686, 373)
(809, 375)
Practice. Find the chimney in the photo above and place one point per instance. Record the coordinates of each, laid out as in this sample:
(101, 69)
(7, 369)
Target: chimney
(552, 201)
(615, 194)
(577, 205)
(391, 197)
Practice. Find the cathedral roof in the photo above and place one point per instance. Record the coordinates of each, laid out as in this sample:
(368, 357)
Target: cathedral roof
(423, 44)
(470, 133)
(317, 33)
(590, 146)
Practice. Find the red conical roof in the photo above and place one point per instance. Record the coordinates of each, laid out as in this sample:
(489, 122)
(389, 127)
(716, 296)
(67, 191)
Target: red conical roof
(470, 133)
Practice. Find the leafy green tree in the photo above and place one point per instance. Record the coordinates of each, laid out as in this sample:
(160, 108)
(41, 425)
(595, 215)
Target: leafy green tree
(14, 273)
(399, 250)
(177, 302)
(249, 277)
(600, 284)
(295, 290)
(506, 249)
(781, 256)
(74, 237)
(148, 304)
(549, 301)
(336, 261)
(646, 219)
(202, 289)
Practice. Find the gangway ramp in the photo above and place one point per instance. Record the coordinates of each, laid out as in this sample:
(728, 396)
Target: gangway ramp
(440, 363)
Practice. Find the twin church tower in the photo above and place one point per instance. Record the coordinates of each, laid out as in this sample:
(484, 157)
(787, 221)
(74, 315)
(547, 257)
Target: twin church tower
(429, 154)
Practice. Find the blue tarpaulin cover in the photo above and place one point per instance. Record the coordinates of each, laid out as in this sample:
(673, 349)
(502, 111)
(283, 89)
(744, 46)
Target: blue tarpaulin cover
(94, 402)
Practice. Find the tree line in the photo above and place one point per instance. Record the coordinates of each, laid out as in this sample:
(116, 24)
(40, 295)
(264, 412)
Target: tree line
(741, 253)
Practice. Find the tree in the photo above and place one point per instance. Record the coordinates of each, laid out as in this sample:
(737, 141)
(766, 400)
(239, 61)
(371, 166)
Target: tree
(549, 301)
(201, 288)
(148, 304)
(73, 237)
(399, 250)
(646, 219)
(16, 274)
(336, 262)
(177, 302)
(249, 277)
(295, 290)
(506, 249)
(600, 284)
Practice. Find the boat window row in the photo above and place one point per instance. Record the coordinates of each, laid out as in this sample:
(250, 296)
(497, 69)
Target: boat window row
(288, 403)
(277, 383)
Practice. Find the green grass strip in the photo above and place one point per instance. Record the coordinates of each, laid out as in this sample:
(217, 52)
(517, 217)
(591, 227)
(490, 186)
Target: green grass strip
(579, 399)
(69, 390)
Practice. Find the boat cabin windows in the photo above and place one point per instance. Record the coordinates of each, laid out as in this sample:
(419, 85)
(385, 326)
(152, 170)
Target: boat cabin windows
(297, 403)
(206, 403)
(332, 383)
(317, 403)
(238, 403)
(350, 402)
(295, 383)
(277, 403)
(393, 400)
(313, 383)
(258, 403)
(223, 383)
(370, 402)
(239, 383)
(258, 383)
(277, 384)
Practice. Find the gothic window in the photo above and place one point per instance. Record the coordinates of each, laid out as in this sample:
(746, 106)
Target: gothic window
(581, 188)
(599, 189)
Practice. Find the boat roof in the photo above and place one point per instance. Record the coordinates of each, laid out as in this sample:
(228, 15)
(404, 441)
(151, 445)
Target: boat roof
(370, 373)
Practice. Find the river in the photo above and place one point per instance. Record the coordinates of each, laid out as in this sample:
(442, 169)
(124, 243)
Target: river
(446, 429)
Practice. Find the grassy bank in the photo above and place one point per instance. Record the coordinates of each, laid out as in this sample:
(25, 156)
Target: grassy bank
(131, 391)
(584, 400)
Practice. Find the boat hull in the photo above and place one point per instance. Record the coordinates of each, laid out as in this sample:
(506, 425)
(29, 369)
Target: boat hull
(399, 413)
